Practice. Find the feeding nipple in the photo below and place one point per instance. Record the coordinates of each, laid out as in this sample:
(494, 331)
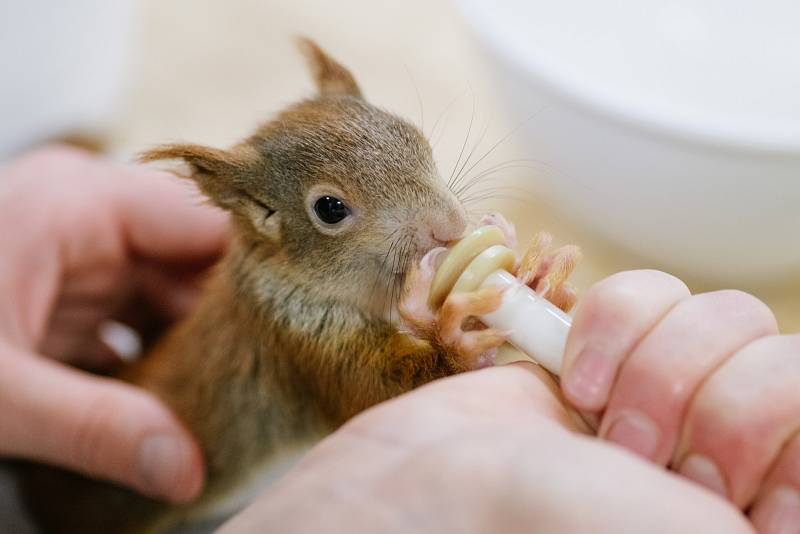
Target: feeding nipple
(536, 326)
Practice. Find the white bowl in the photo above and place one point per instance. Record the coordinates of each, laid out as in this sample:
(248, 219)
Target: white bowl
(673, 127)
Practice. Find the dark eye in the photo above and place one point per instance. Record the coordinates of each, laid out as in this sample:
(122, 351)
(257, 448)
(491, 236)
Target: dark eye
(330, 209)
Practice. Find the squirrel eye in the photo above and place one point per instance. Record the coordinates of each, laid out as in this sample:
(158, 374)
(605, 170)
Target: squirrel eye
(330, 209)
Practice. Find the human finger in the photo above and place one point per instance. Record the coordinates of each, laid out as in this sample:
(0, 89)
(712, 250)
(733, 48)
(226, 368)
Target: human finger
(94, 425)
(614, 315)
(660, 377)
(741, 419)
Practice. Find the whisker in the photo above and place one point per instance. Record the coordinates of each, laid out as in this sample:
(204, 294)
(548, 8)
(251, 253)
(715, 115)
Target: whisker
(407, 258)
(464, 145)
(476, 180)
(519, 161)
(379, 274)
(439, 118)
(494, 197)
(397, 285)
(400, 267)
(459, 175)
(403, 263)
(501, 187)
(503, 195)
(385, 239)
(419, 99)
(391, 283)
(504, 187)
(503, 139)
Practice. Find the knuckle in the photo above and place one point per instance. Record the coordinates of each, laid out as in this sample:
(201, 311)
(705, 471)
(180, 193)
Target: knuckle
(646, 278)
(607, 294)
(737, 303)
(788, 343)
(723, 401)
(623, 292)
(771, 345)
(734, 297)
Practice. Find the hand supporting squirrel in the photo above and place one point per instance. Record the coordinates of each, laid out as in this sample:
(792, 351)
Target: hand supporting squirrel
(333, 204)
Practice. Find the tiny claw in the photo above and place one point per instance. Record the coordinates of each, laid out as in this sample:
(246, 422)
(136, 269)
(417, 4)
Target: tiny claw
(506, 227)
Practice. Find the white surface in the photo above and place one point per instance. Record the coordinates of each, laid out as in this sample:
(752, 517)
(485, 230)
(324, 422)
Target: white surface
(674, 127)
(719, 69)
(64, 66)
(535, 326)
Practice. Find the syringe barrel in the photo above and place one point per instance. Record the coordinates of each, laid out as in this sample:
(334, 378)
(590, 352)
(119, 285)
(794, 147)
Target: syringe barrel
(534, 325)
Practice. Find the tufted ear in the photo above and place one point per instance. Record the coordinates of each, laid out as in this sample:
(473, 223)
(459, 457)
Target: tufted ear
(229, 179)
(331, 77)
(220, 174)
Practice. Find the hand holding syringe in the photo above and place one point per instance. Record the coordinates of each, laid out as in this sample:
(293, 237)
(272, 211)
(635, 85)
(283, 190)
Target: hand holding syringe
(700, 384)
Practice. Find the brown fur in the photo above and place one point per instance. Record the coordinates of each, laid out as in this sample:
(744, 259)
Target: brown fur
(291, 337)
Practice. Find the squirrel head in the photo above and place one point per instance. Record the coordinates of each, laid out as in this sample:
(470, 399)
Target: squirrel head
(344, 194)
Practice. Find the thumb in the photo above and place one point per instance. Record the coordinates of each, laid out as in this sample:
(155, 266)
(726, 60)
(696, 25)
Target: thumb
(97, 426)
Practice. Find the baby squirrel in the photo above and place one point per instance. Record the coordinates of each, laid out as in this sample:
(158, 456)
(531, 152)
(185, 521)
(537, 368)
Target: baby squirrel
(331, 203)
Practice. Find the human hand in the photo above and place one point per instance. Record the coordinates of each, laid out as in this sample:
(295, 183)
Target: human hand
(700, 383)
(488, 451)
(83, 241)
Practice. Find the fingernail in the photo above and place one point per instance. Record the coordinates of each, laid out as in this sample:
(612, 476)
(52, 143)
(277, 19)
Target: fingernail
(162, 464)
(635, 432)
(588, 382)
(703, 471)
(778, 512)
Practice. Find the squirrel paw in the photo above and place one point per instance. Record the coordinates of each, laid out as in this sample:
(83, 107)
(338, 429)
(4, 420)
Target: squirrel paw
(547, 272)
(509, 232)
(413, 307)
(453, 327)
(460, 334)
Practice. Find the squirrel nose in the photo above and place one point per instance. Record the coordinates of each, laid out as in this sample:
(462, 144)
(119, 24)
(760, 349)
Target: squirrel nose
(444, 221)
(445, 229)
(444, 234)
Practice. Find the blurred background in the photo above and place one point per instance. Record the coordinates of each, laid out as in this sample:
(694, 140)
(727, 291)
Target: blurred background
(610, 128)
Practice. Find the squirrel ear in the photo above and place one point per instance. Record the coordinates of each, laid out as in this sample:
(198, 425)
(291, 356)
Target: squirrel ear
(214, 170)
(331, 77)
